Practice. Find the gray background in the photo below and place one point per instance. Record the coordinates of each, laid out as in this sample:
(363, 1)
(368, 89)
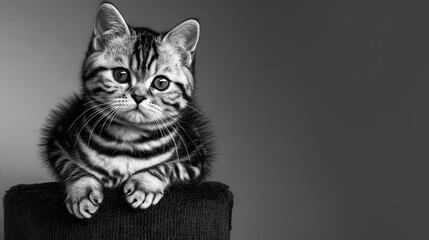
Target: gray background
(320, 107)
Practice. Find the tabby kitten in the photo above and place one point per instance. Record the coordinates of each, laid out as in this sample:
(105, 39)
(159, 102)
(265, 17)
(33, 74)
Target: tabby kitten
(134, 123)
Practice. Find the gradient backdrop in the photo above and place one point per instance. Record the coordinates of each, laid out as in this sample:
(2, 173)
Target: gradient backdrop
(320, 107)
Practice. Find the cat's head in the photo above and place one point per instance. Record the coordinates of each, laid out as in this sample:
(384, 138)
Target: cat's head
(136, 74)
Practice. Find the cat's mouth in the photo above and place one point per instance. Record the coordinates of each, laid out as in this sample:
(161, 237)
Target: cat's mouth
(139, 110)
(134, 109)
(140, 113)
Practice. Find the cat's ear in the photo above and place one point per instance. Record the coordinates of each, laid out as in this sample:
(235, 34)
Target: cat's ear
(185, 35)
(108, 22)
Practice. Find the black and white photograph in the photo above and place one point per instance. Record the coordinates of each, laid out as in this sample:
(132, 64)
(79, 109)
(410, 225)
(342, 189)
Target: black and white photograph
(214, 120)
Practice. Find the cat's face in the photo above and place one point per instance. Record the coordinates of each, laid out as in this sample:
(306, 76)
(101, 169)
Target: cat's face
(136, 74)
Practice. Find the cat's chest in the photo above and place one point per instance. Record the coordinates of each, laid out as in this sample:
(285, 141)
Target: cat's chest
(120, 164)
(118, 169)
(114, 169)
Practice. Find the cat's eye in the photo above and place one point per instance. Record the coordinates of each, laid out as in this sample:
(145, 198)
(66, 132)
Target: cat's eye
(161, 83)
(121, 75)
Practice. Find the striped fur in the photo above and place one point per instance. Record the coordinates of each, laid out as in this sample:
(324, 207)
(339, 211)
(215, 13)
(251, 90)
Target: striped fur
(103, 137)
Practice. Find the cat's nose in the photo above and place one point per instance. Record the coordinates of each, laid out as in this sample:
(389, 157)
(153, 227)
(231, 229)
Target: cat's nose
(138, 98)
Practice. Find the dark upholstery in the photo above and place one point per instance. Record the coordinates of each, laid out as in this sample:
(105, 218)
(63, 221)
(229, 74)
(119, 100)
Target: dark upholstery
(200, 211)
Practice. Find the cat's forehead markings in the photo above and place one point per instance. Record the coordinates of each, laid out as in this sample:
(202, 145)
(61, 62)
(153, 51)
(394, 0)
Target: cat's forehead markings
(153, 67)
(150, 58)
(118, 60)
(139, 76)
(116, 51)
(133, 62)
(166, 69)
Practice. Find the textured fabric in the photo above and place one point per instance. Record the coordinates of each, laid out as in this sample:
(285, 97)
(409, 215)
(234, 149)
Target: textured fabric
(188, 211)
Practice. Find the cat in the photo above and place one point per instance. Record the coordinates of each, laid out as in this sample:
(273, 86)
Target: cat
(134, 124)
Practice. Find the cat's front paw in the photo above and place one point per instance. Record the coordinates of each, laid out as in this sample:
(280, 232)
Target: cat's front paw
(83, 197)
(143, 190)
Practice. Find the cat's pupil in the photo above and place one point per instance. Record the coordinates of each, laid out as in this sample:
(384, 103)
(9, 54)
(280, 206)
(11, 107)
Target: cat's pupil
(121, 75)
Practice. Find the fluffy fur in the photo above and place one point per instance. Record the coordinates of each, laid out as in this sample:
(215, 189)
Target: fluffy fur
(134, 124)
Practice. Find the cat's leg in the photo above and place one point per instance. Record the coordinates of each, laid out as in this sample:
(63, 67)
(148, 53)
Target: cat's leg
(84, 191)
(147, 187)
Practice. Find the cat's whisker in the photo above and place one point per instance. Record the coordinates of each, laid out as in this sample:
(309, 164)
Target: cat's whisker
(83, 114)
(186, 147)
(98, 111)
(107, 118)
(162, 121)
(88, 120)
(114, 115)
(172, 138)
(189, 137)
(194, 109)
(160, 129)
(108, 99)
(98, 120)
(91, 102)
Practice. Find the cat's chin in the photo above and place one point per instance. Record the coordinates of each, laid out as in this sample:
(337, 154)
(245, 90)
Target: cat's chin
(136, 117)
